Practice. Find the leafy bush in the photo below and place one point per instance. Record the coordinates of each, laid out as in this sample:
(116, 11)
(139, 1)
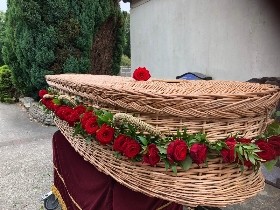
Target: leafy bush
(125, 61)
(7, 89)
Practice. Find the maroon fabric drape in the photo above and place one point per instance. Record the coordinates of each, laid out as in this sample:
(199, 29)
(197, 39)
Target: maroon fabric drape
(83, 187)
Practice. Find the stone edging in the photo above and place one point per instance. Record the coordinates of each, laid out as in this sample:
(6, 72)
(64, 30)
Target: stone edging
(36, 111)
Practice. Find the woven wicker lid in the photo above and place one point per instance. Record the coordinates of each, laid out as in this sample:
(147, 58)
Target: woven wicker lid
(168, 87)
(183, 98)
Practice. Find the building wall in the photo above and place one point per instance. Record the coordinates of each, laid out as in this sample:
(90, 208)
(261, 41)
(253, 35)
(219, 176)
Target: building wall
(225, 39)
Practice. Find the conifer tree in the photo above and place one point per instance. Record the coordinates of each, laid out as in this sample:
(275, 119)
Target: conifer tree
(61, 36)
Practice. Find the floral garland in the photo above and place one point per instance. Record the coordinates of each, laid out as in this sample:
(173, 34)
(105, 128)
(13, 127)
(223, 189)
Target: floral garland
(182, 149)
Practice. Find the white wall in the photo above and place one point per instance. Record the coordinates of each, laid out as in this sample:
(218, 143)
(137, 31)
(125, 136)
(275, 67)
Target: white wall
(225, 39)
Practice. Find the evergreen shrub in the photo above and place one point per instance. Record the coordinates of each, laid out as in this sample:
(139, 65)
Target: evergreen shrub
(7, 89)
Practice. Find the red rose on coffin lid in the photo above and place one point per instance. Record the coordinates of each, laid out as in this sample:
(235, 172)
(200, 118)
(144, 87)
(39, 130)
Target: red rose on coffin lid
(228, 154)
(73, 118)
(85, 117)
(63, 112)
(80, 109)
(141, 74)
(267, 152)
(131, 148)
(91, 125)
(42, 93)
(119, 143)
(105, 134)
(49, 104)
(244, 141)
(274, 141)
(152, 157)
(177, 150)
(198, 153)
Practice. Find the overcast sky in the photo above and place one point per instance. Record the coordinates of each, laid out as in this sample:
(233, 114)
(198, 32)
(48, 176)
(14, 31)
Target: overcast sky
(3, 6)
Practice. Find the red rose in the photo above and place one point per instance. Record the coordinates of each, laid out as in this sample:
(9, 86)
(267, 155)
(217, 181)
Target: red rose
(85, 117)
(91, 125)
(177, 150)
(141, 74)
(42, 93)
(75, 115)
(73, 118)
(105, 134)
(248, 163)
(132, 148)
(152, 157)
(244, 141)
(198, 153)
(274, 141)
(267, 152)
(80, 109)
(63, 112)
(46, 102)
(229, 153)
(119, 143)
(49, 104)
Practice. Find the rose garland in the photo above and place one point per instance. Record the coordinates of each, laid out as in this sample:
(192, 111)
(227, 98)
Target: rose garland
(181, 149)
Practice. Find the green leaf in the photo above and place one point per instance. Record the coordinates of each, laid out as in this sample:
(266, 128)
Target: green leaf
(56, 101)
(89, 108)
(187, 163)
(88, 139)
(248, 147)
(162, 150)
(239, 156)
(174, 169)
(270, 164)
(78, 129)
(98, 112)
(273, 129)
(241, 167)
(277, 114)
(143, 140)
(185, 134)
(108, 115)
(240, 150)
(192, 141)
(246, 155)
(167, 164)
(179, 134)
(117, 155)
(252, 160)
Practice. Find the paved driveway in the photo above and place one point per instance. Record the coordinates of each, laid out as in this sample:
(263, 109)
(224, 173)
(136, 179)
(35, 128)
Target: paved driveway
(25, 159)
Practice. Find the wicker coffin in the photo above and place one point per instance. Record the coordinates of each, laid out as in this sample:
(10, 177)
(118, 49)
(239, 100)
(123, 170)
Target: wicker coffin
(218, 108)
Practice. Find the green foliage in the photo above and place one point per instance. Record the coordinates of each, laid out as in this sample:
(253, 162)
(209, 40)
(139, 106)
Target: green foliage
(127, 48)
(7, 89)
(56, 36)
(118, 48)
(2, 35)
(125, 61)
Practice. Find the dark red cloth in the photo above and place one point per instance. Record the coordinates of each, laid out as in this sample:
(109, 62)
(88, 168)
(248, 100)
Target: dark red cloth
(79, 181)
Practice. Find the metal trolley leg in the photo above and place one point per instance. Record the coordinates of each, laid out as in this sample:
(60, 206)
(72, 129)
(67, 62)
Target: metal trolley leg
(50, 201)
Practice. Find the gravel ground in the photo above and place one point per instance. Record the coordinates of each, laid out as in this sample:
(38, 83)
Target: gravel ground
(25, 159)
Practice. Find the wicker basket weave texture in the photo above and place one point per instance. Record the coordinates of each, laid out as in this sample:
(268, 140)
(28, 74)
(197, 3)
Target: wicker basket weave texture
(218, 108)
(217, 185)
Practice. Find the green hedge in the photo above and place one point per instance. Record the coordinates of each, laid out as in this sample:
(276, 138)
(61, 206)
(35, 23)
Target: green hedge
(7, 89)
